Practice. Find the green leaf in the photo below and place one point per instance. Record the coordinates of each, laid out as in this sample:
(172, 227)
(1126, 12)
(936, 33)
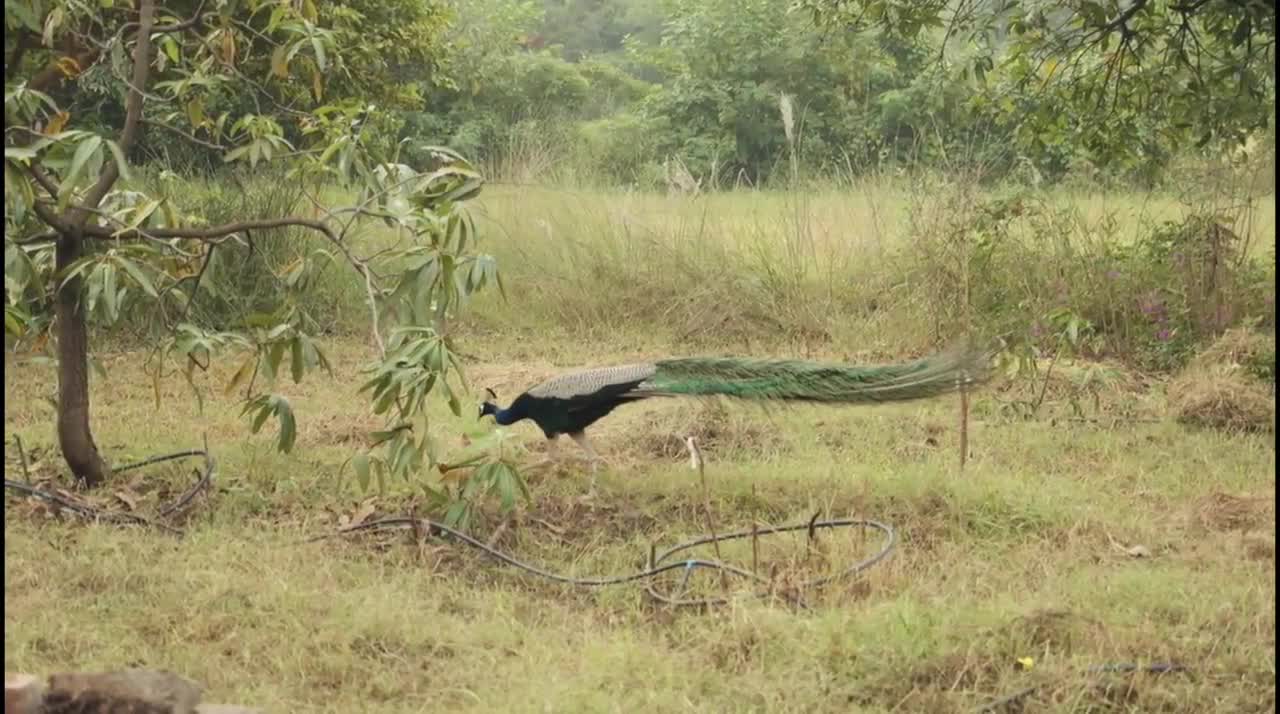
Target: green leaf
(264, 412)
(20, 153)
(84, 152)
(296, 365)
(274, 355)
(24, 14)
(288, 428)
(170, 47)
(138, 276)
(242, 374)
(360, 463)
(140, 214)
(121, 163)
(109, 295)
(322, 60)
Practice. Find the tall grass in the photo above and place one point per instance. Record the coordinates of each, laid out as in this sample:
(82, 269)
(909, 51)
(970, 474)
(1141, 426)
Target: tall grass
(877, 265)
(892, 264)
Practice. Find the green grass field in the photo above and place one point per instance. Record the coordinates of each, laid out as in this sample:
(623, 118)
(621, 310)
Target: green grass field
(1031, 552)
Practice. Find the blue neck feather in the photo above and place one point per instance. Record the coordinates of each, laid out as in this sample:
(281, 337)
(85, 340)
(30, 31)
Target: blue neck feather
(504, 417)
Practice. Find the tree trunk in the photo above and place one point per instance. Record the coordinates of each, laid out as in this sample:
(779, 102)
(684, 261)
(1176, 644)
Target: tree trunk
(74, 436)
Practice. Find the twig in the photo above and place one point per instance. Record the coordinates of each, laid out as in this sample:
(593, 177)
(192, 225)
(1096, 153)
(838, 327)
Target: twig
(22, 455)
(1044, 388)
(498, 532)
(203, 482)
(1010, 699)
(695, 456)
(755, 547)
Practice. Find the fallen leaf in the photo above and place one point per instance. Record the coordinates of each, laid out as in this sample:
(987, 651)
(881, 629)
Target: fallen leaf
(128, 499)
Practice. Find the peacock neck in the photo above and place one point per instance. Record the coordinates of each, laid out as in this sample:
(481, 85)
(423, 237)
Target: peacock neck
(506, 417)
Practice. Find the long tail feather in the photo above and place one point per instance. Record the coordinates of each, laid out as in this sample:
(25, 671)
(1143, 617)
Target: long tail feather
(793, 380)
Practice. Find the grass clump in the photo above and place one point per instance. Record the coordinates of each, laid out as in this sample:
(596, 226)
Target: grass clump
(1230, 386)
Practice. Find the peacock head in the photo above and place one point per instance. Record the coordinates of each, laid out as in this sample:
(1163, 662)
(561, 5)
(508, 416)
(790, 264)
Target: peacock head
(487, 407)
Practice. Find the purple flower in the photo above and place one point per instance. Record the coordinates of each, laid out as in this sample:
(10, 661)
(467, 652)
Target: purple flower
(1153, 307)
(1163, 334)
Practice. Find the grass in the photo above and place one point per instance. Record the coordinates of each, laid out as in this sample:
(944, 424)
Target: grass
(867, 269)
(1021, 555)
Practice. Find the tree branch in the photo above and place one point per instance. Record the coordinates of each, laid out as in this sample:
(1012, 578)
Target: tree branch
(46, 182)
(222, 231)
(78, 216)
(15, 57)
(196, 19)
(189, 137)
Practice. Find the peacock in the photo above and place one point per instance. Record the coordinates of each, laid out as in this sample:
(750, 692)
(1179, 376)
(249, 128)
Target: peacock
(570, 403)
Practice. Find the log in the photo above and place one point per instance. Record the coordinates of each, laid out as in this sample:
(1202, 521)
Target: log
(130, 691)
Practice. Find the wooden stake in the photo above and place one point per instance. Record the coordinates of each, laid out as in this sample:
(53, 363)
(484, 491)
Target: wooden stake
(695, 457)
(964, 425)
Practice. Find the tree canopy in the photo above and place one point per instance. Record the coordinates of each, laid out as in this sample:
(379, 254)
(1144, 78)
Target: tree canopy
(1194, 70)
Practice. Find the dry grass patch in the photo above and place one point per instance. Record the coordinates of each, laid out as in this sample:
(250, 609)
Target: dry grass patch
(1220, 389)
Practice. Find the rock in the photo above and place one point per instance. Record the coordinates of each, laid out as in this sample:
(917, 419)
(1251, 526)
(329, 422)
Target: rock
(137, 691)
(22, 693)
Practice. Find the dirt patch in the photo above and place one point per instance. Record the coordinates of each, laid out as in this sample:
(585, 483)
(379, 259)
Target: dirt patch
(923, 523)
(1049, 629)
(955, 671)
(1260, 547)
(341, 430)
(1228, 512)
(572, 520)
(717, 430)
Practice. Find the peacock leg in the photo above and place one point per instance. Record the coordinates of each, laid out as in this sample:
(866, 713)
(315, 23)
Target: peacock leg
(580, 438)
(553, 451)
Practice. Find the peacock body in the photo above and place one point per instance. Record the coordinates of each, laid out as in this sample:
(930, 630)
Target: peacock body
(569, 403)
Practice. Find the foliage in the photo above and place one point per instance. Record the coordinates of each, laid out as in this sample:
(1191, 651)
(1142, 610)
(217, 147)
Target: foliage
(586, 28)
(1055, 285)
(518, 87)
(1134, 74)
(79, 247)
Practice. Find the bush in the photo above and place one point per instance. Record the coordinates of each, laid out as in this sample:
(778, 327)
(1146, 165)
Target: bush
(1048, 280)
(616, 149)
